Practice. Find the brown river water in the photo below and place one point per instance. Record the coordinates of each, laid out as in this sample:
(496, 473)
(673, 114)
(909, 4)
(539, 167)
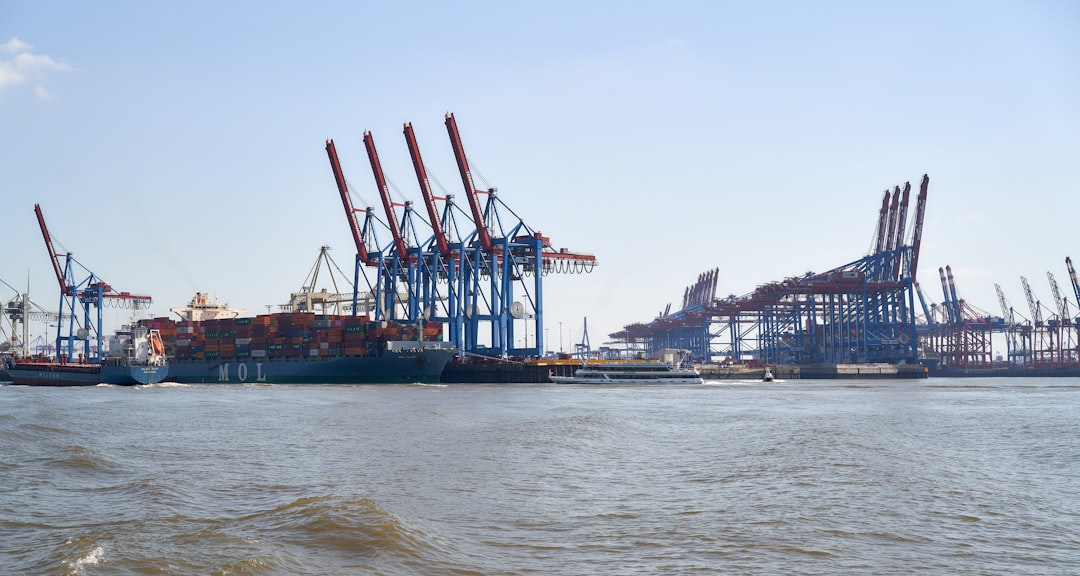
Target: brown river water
(938, 476)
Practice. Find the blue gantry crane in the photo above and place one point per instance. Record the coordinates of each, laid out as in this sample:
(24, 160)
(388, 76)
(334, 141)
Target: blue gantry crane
(81, 302)
(480, 273)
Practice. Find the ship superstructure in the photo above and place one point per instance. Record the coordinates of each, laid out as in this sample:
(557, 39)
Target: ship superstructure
(206, 307)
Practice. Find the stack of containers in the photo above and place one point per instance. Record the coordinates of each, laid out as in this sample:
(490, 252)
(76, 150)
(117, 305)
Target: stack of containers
(286, 335)
(354, 338)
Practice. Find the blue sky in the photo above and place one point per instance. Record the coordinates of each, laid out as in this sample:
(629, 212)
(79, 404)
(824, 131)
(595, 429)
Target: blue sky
(178, 147)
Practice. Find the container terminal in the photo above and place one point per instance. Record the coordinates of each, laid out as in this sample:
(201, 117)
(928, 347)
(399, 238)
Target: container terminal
(476, 272)
(868, 318)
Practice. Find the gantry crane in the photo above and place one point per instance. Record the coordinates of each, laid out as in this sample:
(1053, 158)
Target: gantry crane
(476, 283)
(401, 264)
(862, 311)
(89, 293)
(1061, 327)
(1044, 342)
(496, 295)
(441, 263)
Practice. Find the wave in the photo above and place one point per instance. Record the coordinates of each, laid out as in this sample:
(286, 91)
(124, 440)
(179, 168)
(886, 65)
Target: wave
(356, 531)
(356, 525)
(163, 385)
(322, 534)
(83, 459)
(93, 557)
(741, 382)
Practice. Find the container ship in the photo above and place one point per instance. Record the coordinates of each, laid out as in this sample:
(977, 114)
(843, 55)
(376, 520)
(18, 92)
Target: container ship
(211, 344)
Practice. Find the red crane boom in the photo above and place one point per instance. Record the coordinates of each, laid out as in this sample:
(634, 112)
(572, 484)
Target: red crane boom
(883, 219)
(384, 192)
(425, 190)
(106, 290)
(900, 226)
(346, 201)
(890, 235)
(902, 215)
(52, 251)
(920, 210)
(470, 188)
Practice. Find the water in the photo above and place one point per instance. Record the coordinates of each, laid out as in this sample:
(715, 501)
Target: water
(815, 477)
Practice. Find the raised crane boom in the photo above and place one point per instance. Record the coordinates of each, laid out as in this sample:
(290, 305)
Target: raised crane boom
(1072, 278)
(384, 192)
(1010, 322)
(52, 251)
(1036, 317)
(883, 221)
(1006, 310)
(1057, 296)
(902, 215)
(949, 319)
(916, 238)
(425, 190)
(346, 201)
(894, 208)
(67, 289)
(900, 227)
(957, 307)
(922, 301)
(470, 188)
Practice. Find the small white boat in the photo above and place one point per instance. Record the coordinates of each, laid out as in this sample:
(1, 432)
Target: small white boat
(767, 376)
(630, 372)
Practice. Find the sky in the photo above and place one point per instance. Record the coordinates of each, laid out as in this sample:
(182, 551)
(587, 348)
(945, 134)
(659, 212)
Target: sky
(178, 147)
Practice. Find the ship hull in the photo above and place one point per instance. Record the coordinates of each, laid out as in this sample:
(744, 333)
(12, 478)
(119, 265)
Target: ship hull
(54, 374)
(392, 367)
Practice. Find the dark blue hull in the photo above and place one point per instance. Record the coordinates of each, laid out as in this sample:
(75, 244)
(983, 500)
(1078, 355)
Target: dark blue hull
(392, 367)
(52, 374)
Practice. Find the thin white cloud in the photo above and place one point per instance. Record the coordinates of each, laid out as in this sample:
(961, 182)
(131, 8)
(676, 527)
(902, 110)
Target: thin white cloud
(25, 65)
(15, 46)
